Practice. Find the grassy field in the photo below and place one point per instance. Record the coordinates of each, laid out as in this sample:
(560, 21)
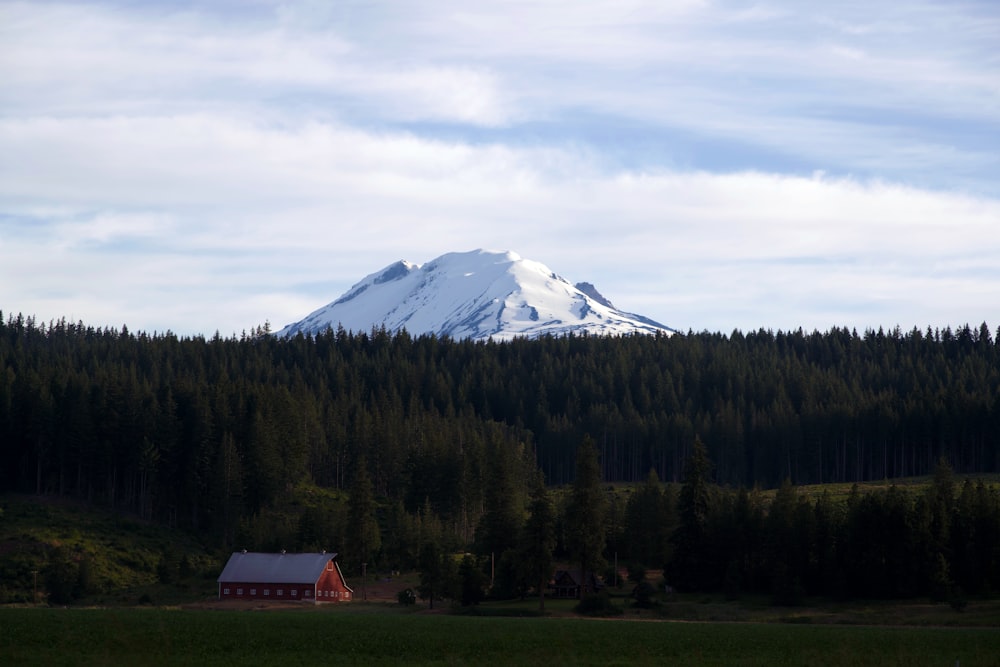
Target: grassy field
(107, 627)
(343, 636)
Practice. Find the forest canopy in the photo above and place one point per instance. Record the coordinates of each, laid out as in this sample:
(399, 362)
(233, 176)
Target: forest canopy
(201, 432)
(398, 450)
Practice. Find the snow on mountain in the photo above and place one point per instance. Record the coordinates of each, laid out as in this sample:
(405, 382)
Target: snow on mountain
(480, 295)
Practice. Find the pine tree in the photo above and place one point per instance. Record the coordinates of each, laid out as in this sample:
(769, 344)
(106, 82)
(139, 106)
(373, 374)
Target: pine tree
(362, 525)
(647, 522)
(501, 522)
(538, 541)
(472, 581)
(438, 573)
(690, 566)
(585, 515)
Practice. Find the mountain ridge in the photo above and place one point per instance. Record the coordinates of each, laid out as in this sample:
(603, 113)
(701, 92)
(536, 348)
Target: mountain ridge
(479, 294)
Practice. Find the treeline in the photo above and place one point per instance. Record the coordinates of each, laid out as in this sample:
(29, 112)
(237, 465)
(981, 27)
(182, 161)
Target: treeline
(939, 540)
(200, 432)
(942, 541)
(378, 445)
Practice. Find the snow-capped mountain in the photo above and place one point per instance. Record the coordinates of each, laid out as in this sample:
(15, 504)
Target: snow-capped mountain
(479, 294)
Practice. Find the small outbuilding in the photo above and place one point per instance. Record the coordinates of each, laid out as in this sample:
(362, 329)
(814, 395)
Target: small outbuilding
(567, 583)
(309, 577)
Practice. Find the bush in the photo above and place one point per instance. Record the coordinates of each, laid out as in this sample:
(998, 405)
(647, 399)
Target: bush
(184, 568)
(61, 580)
(406, 597)
(732, 586)
(165, 569)
(597, 605)
(472, 581)
(958, 601)
(643, 594)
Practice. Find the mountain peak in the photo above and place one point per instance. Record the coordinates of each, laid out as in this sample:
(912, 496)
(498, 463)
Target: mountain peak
(479, 294)
(591, 291)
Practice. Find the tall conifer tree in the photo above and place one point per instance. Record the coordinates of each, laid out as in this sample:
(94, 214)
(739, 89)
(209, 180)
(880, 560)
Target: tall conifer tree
(538, 540)
(362, 524)
(585, 515)
(689, 567)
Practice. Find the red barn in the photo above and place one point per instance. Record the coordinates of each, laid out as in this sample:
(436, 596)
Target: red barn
(309, 577)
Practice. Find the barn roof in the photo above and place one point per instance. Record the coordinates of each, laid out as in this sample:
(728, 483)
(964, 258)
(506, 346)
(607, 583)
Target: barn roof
(275, 568)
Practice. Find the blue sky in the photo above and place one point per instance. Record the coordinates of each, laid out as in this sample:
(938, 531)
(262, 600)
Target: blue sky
(205, 167)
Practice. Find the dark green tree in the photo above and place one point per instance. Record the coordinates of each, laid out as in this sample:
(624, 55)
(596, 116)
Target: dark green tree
(437, 573)
(538, 541)
(585, 526)
(472, 581)
(692, 564)
(363, 538)
(504, 510)
(61, 577)
(647, 523)
(431, 564)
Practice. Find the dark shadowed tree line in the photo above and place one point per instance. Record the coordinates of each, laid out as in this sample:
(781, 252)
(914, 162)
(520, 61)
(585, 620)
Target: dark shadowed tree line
(401, 449)
(942, 541)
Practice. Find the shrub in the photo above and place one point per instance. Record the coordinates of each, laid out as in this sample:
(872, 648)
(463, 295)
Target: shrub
(958, 601)
(597, 605)
(472, 581)
(184, 568)
(643, 594)
(61, 580)
(733, 583)
(406, 597)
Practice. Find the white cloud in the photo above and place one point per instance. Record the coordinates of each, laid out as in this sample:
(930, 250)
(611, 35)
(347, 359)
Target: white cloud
(259, 211)
(66, 59)
(208, 168)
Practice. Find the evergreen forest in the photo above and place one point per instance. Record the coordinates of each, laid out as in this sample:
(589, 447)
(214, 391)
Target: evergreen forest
(396, 449)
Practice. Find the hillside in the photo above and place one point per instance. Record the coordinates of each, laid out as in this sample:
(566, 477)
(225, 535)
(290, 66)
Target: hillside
(89, 555)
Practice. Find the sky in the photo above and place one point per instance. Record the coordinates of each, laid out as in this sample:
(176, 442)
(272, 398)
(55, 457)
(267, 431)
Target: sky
(203, 167)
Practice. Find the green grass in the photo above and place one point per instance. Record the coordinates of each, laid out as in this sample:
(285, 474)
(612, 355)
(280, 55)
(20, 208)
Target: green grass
(840, 491)
(340, 636)
(122, 552)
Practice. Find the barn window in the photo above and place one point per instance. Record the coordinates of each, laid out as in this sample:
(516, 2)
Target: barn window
(239, 591)
(295, 592)
(267, 591)
(281, 591)
(225, 591)
(253, 591)
(308, 593)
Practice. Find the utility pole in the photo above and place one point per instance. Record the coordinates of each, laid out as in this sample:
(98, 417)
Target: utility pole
(364, 581)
